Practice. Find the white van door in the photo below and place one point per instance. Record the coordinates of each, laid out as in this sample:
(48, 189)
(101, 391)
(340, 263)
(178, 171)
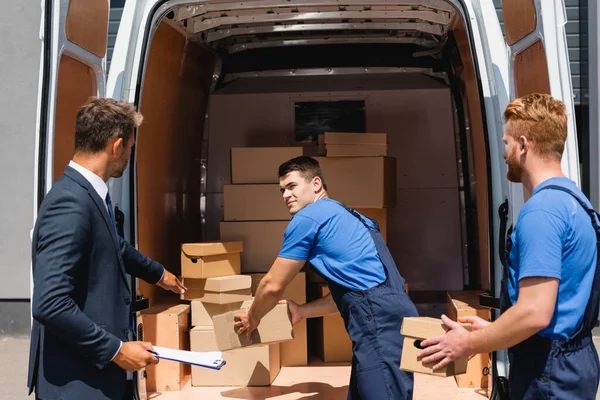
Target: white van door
(74, 37)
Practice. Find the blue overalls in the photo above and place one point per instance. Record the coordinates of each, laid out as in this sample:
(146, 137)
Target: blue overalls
(373, 319)
(541, 368)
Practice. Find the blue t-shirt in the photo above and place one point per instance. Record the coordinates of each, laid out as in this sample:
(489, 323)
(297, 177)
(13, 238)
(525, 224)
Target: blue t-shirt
(554, 237)
(336, 243)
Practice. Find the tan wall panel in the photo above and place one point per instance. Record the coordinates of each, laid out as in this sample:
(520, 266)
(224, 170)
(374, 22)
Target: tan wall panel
(87, 25)
(478, 140)
(76, 83)
(519, 19)
(531, 70)
(168, 148)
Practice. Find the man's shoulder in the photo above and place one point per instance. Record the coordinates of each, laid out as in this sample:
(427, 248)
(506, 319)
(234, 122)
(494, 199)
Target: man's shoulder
(321, 210)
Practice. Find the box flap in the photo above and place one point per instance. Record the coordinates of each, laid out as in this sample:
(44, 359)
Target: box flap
(355, 138)
(220, 284)
(425, 327)
(211, 248)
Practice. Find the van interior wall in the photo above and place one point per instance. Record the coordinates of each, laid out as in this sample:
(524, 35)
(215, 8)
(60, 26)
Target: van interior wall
(424, 229)
(168, 166)
(474, 112)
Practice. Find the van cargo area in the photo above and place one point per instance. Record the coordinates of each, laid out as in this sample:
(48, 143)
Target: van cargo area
(262, 74)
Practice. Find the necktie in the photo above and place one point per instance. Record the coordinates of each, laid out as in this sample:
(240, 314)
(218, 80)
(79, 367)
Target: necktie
(110, 212)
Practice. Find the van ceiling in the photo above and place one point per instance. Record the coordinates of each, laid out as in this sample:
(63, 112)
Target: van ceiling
(260, 35)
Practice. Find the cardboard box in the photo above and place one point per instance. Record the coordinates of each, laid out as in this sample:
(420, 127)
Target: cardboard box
(210, 259)
(197, 291)
(360, 182)
(355, 138)
(379, 215)
(202, 313)
(274, 327)
(254, 203)
(262, 242)
(356, 150)
(417, 329)
(260, 164)
(463, 304)
(334, 343)
(252, 366)
(293, 352)
(167, 325)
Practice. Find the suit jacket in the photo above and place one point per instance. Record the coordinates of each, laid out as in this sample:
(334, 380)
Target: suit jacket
(81, 301)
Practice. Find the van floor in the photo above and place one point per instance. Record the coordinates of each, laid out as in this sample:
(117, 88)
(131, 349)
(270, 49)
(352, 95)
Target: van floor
(316, 382)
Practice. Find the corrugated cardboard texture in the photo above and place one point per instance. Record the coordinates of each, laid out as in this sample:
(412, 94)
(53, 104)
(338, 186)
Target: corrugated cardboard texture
(260, 164)
(463, 304)
(293, 352)
(211, 248)
(220, 283)
(361, 182)
(274, 327)
(379, 215)
(252, 366)
(415, 329)
(356, 150)
(210, 266)
(167, 326)
(262, 242)
(202, 313)
(335, 344)
(254, 203)
(346, 138)
(234, 296)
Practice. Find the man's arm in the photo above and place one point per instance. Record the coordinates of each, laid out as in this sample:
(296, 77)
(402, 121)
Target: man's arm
(318, 308)
(61, 241)
(271, 287)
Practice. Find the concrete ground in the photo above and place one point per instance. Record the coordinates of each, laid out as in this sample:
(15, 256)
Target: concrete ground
(14, 353)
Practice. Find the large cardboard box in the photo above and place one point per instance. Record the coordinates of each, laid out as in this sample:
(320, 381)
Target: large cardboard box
(210, 259)
(464, 304)
(252, 366)
(379, 215)
(167, 325)
(196, 291)
(417, 329)
(260, 164)
(293, 352)
(360, 182)
(356, 150)
(254, 203)
(262, 242)
(275, 327)
(334, 343)
(349, 138)
(202, 313)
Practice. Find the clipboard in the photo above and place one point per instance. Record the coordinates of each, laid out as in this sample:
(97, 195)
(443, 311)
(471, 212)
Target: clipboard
(212, 360)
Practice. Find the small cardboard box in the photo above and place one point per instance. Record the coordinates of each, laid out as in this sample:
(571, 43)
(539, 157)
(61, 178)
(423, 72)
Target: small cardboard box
(260, 164)
(356, 150)
(334, 343)
(348, 138)
(274, 327)
(167, 325)
(293, 352)
(417, 329)
(360, 182)
(379, 215)
(219, 290)
(202, 313)
(463, 304)
(254, 203)
(262, 242)
(251, 366)
(210, 259)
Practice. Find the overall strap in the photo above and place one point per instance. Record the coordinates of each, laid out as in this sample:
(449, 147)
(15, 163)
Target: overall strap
(590, 211)
(360, 217)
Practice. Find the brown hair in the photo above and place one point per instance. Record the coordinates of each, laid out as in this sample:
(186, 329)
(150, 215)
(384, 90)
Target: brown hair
(542, 119)
(101, 119)
(307, 166)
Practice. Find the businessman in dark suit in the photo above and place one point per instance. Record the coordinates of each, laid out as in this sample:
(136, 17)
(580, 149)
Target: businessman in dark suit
(81, 305)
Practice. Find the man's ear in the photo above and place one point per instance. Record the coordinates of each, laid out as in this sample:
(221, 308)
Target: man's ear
(116, 146)
(317, 183)
(524, 144)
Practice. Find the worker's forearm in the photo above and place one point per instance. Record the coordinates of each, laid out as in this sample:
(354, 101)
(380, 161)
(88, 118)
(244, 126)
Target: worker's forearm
(318, 308)
(267, 296)
(515, 325)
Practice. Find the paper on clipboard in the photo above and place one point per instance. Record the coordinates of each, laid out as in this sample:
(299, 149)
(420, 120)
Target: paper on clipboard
(212, 359)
